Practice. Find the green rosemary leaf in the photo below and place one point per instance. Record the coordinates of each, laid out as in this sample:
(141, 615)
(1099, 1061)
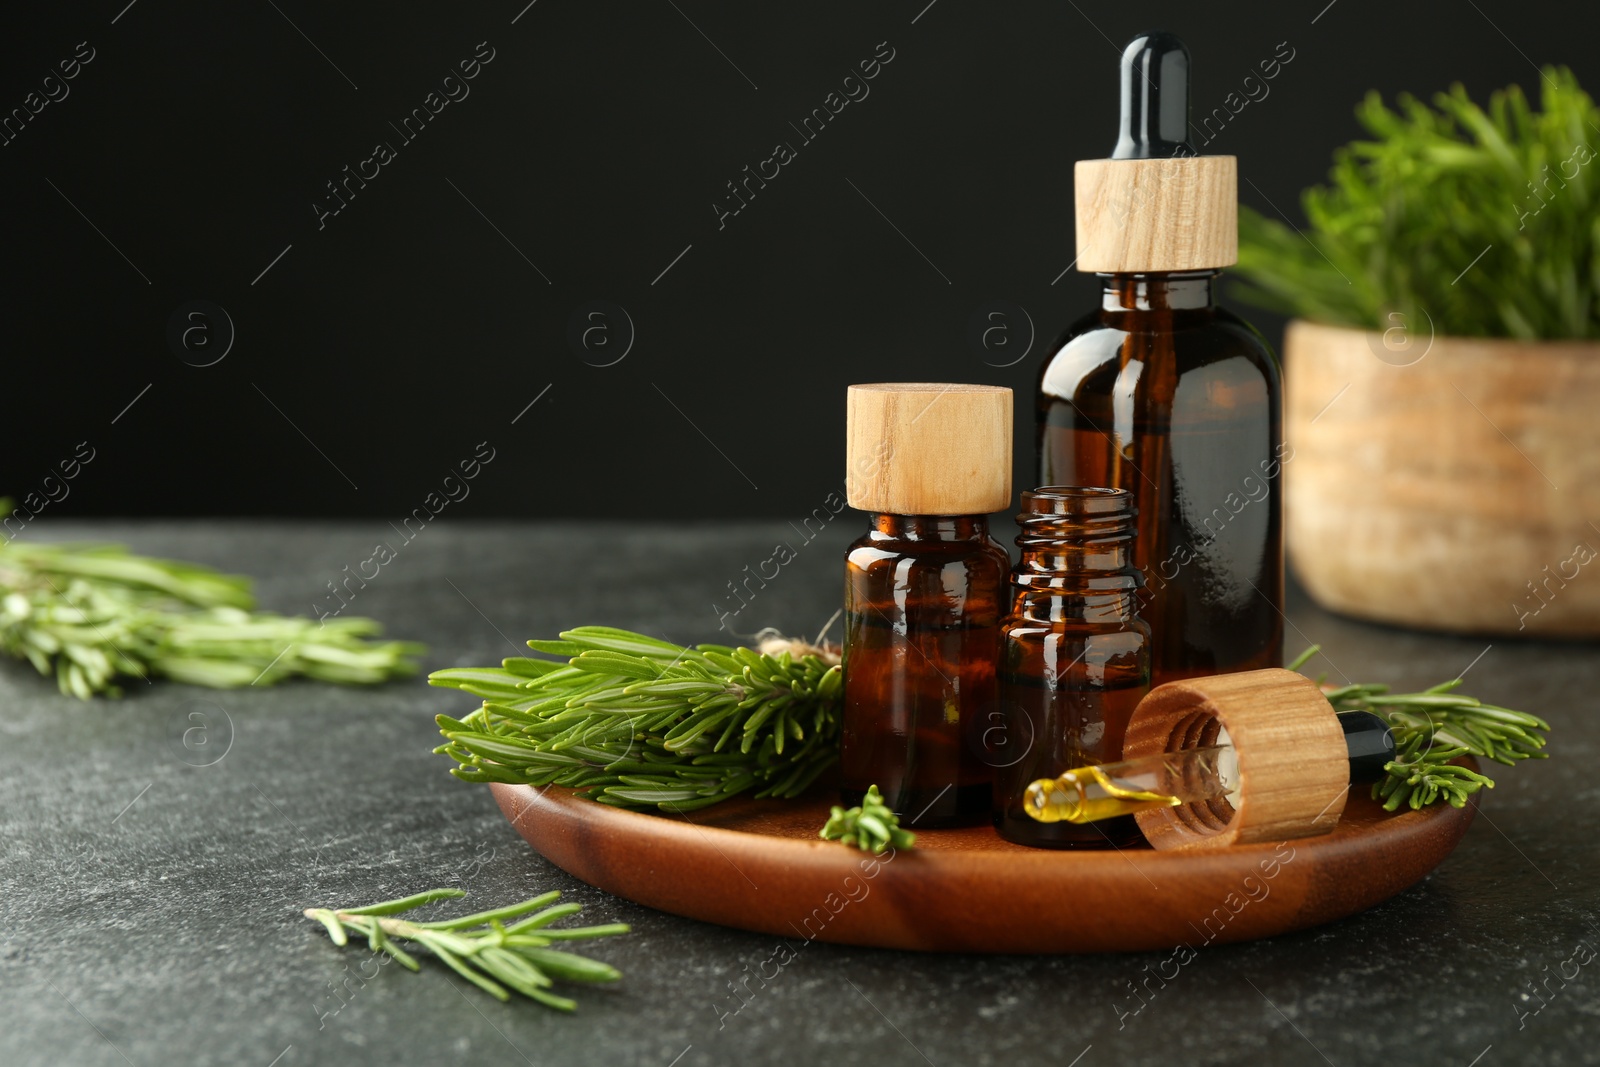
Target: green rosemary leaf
(675, 688)
(1507, 715)
(571, 967)
(722, 659)
(479, 681)
(609, 638)
(1300, 660)
(577, 933)
(556, 648)
(498, 914)
(212, 673)
(479, 774)
(544, 918)
(614, 663)
(1428, 700)
(416, 900)
(512, 969)
(528, 668)
(488, 985)
(334, 927)
(553, 1001)
(613, 696)
(502, 750)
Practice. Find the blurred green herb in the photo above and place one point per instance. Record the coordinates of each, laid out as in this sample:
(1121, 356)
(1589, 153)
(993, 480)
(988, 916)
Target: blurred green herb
(1431, 729)
(1486, 222)
(481, 947)
(642, 723)
(871, 827)
(93, 614)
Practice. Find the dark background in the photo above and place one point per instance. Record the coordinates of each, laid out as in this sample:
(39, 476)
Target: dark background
(380, 349)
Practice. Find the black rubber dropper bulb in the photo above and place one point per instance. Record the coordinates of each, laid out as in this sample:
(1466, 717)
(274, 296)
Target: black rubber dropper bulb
(1155, 99)
(1369, 742)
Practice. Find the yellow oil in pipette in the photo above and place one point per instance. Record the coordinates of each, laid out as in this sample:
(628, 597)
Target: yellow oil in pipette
(1089, 794)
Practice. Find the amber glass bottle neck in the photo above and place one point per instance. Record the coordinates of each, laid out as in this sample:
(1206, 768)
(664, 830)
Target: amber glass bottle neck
(1076, 555)
(931, 527)
(1070, 556)
(1054, 554)
(1188, 291)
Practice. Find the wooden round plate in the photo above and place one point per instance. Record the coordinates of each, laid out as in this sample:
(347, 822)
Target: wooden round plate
(759, 865)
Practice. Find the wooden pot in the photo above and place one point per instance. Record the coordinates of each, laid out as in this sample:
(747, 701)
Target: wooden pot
(1446, 483)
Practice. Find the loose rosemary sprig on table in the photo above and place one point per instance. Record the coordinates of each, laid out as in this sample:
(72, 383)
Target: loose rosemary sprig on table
(481, 947)
(1434, 727)
(642, 723)
(870, 826)
(91, 614)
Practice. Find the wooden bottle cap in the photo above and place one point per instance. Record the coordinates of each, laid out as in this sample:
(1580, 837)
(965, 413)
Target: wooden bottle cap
(918, 448)
(1294, 770)
(1139, 216)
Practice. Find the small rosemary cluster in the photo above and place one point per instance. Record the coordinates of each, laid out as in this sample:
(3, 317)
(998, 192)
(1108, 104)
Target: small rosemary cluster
(871, 826)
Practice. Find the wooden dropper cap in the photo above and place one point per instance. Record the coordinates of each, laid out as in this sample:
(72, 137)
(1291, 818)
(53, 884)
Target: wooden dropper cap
(1156, 205)
(1294, 766)
(918, 448)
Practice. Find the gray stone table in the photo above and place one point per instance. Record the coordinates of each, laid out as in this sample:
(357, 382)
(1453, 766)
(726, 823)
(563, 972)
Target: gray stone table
(150, 907)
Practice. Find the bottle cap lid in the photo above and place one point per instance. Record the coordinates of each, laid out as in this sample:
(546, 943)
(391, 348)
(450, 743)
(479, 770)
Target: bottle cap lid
(1156, 205)
(920, 448)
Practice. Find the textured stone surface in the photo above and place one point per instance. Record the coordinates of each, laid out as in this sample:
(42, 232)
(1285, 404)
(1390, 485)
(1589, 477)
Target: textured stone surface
(150, 909)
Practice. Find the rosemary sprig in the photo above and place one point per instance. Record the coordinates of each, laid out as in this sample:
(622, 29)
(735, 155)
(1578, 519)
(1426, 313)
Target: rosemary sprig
(92, 614)
(642, 723)
(481, 947)
(871, 826)
(1434, 727)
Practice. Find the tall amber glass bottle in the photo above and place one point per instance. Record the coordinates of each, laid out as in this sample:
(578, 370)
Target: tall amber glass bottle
(1074, 657)
(1162, 393)
(925, 591)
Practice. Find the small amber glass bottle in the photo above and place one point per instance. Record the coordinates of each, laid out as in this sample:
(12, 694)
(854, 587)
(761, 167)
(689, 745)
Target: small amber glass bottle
(925, 590)
(1074, 659)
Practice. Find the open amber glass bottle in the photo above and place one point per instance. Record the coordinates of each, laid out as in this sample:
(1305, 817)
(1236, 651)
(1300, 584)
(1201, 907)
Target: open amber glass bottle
(925, 589)
(1074, 657)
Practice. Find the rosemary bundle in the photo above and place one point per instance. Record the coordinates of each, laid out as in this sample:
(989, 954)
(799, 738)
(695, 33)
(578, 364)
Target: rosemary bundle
(481, 947)
(642, 723)
(91, 614)
(1433, 728)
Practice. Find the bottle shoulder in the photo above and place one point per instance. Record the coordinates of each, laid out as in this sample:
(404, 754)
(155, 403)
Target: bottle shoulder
(873, 549)
(1214, 344)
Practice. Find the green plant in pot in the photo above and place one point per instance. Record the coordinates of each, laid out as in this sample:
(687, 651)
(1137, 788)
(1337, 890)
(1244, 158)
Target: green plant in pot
(1443, 370)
